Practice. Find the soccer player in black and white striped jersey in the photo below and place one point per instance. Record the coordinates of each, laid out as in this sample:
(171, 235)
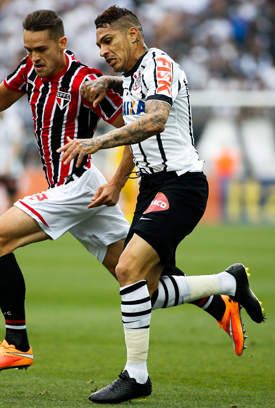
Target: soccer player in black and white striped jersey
(173, 191)
(51, 77)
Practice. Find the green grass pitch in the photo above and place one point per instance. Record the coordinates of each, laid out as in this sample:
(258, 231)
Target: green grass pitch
(75, 329)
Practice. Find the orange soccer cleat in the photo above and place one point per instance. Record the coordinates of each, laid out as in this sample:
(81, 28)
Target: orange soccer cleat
(232, 324)
(10, 357)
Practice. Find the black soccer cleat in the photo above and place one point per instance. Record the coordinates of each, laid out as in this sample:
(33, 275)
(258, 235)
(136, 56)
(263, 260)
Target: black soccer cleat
(122, 389)
(244, 295)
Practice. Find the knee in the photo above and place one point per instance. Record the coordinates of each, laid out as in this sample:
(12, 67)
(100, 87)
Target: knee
(128, 271)
(123, 273)
(112, 256)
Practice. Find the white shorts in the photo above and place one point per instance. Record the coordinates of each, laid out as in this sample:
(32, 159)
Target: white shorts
(64, 208)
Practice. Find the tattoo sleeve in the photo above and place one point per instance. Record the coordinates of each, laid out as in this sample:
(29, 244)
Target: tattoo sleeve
(151, 123)
(115, 83)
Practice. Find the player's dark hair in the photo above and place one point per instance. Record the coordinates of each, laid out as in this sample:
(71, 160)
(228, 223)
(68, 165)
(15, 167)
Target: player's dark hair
(120, 18)
(41, 20)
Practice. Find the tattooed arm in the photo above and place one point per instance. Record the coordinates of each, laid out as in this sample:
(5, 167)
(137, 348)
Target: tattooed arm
(151, 123)
(96, 90)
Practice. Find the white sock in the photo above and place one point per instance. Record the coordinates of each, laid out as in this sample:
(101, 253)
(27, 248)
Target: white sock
(176, 290)
(227, 283)
(206, 285)
(136, 316)
(138, 371)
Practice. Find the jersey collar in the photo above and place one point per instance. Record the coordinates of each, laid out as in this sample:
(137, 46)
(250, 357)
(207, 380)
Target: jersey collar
(135, 67)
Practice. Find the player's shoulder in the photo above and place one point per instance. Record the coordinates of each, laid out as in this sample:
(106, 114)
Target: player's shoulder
(155, 57)
(161, 58)
(157, 53)
(25, 62)
(84, 69)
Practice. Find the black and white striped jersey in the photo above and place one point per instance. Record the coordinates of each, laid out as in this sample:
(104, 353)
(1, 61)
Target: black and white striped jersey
(58, 111)
(157, 77)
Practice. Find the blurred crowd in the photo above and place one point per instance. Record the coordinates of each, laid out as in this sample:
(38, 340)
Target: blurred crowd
(221, 44)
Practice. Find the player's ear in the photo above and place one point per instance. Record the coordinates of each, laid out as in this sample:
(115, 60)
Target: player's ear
(63, 43)
(133, 34)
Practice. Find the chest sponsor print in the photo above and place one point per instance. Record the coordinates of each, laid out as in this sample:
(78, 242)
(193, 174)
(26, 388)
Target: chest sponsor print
(160, 203)
(164, 76)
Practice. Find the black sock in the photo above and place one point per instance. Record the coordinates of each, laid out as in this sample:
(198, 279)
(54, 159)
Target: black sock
(214, 305)
(12, 302)
(172, 270)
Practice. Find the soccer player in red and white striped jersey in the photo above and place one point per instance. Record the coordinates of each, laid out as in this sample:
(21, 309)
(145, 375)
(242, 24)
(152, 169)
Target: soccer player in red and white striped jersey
(51, 77)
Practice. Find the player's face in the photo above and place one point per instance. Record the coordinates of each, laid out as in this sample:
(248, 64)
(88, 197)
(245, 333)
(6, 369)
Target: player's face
(47, 54)
(117, 48)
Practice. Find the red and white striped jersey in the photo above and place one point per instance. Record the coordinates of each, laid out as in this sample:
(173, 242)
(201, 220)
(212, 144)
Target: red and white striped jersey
(58, 111)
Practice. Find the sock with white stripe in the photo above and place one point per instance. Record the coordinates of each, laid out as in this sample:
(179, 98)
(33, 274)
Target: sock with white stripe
(214, 304)
(12, 302)
(136, 317)
(176, 290)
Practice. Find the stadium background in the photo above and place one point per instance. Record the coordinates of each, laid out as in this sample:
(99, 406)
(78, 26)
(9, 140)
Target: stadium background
(227, 49)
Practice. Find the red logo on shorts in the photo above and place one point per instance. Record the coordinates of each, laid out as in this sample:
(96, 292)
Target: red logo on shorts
(160, 203)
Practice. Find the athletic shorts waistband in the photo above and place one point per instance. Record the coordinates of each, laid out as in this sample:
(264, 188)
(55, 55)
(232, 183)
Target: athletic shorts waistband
(164, 175)
(77, 172)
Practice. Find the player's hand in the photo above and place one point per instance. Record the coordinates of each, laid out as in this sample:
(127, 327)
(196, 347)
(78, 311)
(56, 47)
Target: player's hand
(94, 90)
(80, 147)
(108, 195)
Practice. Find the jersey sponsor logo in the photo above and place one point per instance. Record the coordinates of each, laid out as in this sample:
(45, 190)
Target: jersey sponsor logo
(164, 76)
(63, 99)
(133, 108)
(160, 203)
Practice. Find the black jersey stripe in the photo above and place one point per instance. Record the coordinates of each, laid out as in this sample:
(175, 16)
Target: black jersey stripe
(162, 152)
(131, 83)
(162, 98)
(41, 102)
(20, 66)
(107, 107)
(60, 118)
(189, 114)
(31, 78)
(155, 71)
(145, 158)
